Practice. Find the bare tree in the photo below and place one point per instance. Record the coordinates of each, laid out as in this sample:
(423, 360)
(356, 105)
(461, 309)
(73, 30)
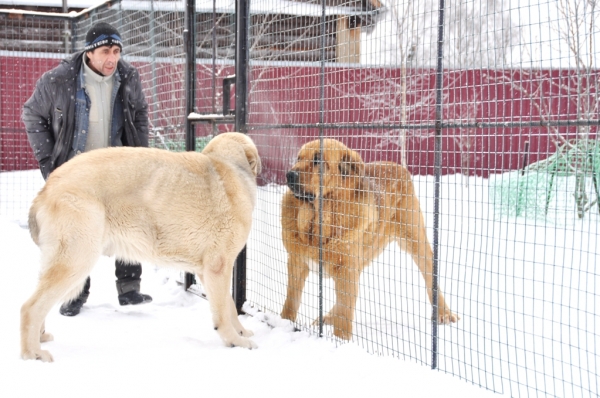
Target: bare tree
(580, 85)
(477, 34)
(577, 28)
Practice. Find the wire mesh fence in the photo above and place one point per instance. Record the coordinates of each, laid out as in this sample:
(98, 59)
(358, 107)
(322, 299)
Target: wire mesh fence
(495, 116)
(507, 105)
(33, 43)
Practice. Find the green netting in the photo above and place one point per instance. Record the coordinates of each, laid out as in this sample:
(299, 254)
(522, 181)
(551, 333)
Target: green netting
(561, 187)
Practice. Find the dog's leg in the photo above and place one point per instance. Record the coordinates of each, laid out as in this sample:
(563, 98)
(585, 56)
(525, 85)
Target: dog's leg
(297, 273)
(44, 337)
(235, 320)
(33, 313)
(341, 316)
(69, 251)
(54, 282)
(216, 280)
(415, 242)
(425, 264)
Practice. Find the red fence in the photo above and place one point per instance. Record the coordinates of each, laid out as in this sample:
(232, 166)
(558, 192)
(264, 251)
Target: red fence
(476, 99)
(363, 107)
(18, 77)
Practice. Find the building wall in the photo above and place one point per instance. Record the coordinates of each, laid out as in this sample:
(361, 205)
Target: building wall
(362, 107)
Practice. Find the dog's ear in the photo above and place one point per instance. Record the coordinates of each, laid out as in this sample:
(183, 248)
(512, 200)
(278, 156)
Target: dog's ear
(254, 161)
(351, 166)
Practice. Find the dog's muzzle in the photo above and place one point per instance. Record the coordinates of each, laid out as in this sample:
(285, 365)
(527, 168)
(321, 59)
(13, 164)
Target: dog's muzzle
(293, 182)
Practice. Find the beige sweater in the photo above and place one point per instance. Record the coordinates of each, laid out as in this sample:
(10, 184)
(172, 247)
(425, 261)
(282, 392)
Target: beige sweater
(99, 88)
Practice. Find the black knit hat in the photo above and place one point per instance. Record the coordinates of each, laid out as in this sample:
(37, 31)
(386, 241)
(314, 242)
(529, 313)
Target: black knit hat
(102, 34)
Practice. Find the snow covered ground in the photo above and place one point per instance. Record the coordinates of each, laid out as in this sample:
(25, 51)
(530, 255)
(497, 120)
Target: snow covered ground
(518, 321)
(169, 348)
(527, 292)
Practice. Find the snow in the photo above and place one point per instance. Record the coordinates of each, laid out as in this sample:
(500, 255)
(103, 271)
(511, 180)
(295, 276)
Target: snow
(168, 347)
(112, 342)
(538, 283)
(286, 7)
(51, 3)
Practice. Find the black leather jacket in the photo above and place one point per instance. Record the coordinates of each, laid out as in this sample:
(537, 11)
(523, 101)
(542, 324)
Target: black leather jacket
(50, 114)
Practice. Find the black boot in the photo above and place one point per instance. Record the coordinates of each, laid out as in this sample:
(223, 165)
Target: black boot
(128, 283)
(129, 293)
(134, 298)
(73, 307)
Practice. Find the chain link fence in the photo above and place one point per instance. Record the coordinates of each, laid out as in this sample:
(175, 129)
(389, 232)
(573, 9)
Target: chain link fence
(495, 115)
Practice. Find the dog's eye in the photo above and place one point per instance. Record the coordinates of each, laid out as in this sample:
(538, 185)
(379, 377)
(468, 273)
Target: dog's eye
(346, 166)
(317, 158)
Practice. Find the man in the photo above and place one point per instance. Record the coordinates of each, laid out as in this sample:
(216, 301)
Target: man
(91, 100)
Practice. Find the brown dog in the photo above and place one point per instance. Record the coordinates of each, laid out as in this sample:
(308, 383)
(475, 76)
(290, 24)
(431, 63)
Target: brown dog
(364, 208)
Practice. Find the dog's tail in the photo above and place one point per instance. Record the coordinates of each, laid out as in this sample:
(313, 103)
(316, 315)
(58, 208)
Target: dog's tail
(34, 228)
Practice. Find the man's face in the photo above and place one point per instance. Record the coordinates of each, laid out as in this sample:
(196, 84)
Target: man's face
(103, 60)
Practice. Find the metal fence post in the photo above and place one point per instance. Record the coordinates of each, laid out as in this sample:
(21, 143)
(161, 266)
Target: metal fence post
(67, 32)
(189, 44)
(241, 103)
(439, 77)
(321, 136)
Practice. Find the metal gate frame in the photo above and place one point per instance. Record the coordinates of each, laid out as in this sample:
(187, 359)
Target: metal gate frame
(237, 116)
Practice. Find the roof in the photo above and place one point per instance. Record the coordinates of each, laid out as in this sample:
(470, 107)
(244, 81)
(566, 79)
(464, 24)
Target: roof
(284, 7)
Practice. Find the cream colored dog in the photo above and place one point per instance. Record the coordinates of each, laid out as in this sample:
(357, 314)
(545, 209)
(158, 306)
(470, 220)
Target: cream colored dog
(189, 210)
(364, 208)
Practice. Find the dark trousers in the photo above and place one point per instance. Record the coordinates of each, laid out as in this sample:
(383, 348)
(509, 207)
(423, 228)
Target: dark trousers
(127, 272)
(128, 279)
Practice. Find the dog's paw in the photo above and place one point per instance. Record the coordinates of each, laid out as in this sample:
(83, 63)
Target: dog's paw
(328, 319)
(44, 337)
(342, 327)
(231, 338)
(287, 313)
(246, 333)
(447, 317)
(244, 343)
(342, 334)
(42, 355)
